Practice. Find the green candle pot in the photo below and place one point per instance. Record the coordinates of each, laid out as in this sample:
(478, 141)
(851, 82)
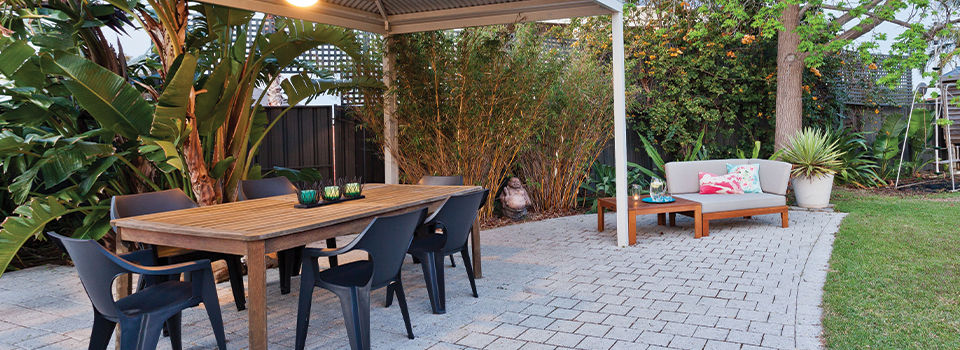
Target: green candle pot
(331, 193)
(352, 190)
(307, 197)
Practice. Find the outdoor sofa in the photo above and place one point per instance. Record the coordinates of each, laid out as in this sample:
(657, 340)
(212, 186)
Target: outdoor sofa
(683, 182)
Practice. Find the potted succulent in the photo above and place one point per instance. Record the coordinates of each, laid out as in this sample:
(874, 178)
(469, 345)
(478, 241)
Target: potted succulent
(815, 160)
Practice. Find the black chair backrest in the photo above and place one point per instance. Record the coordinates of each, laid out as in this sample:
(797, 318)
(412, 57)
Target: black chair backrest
(149, 203)
(387, 239)
(269, 187)
(97, 269)
(456, 215)
(455, 180)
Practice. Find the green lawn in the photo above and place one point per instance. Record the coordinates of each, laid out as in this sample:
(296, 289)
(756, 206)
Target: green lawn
(894, 279)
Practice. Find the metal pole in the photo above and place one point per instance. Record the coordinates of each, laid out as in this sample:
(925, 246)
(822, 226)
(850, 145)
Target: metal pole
(936, 137)
(906, 136)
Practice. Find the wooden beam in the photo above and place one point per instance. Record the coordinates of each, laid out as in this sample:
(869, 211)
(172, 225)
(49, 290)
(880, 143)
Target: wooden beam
(429, 24)
(383, 13)
(493, 9)
(624, 225)
(321, 13)
(391, 170)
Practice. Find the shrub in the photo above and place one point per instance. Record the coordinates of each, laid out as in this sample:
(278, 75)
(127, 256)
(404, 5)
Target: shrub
(485, 102)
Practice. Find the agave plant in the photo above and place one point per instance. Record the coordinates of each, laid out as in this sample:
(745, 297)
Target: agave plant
(813, 154)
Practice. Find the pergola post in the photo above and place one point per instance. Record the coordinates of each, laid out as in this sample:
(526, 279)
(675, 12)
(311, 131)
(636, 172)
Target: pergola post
(391, 171)
(620, 129)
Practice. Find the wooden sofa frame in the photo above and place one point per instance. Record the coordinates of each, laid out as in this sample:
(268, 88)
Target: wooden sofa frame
(744, 213)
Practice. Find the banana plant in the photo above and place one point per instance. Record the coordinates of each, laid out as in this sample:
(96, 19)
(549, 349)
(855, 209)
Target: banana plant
(226, 124)
(58, 166)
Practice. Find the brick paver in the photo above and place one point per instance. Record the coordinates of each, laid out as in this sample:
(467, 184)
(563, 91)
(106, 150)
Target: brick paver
(549, 284)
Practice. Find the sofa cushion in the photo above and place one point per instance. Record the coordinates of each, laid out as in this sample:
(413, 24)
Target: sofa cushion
(711, 203)
(774, 175)
(749, 176)
(720, 184)
(682, 176)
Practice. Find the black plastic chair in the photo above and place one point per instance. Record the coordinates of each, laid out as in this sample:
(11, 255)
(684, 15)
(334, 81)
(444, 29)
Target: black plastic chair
(141, 315)
(453, 180)
(385, 240)
(289, 260)
(175, 199)
(454, 219)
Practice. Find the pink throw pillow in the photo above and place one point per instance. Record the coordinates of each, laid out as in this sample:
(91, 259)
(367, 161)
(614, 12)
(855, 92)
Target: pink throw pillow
(720, 184)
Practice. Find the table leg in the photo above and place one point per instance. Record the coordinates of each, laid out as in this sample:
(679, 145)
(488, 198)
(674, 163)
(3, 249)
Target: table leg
(673, 219)
(125, 282)
(475, 245)
(697, 224)
(599, 218)
(632, 227)
(661, 219)
(257, 295)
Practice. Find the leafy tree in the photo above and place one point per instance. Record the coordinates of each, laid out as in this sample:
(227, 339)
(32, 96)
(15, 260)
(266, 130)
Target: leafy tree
(809, 31)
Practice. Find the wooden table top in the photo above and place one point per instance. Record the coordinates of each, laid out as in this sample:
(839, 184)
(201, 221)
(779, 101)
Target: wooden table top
(270, 217)
(611, 202)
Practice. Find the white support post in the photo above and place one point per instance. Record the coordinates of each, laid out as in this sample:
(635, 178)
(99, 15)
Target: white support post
(620, 130)
(391, 170)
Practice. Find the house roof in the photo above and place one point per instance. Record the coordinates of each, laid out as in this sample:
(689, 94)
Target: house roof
(407, 16)
(953, 75)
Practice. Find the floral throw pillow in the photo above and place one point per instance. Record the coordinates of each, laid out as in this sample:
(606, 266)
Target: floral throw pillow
(720, 184)
(750, 174)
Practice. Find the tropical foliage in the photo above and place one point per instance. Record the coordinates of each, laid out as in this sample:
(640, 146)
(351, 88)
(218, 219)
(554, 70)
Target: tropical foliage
(857, 167)
(78, 128)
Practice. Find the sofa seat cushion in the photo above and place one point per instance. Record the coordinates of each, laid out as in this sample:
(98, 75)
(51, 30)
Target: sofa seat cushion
(712, 203)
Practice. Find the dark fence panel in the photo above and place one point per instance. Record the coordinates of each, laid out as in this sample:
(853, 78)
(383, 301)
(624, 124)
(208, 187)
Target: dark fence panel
(635, 151)
(322, 138)
(357, 156)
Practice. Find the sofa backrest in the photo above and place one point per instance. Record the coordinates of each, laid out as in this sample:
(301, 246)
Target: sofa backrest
(682, 177)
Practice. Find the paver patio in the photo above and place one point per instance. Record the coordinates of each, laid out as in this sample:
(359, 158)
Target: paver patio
(550, 284)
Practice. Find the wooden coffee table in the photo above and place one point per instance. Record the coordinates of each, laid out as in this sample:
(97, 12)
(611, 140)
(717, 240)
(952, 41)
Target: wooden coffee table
(642, 208)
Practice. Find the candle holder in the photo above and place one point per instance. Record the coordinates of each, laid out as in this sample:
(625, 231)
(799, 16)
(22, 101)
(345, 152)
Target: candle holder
(352, 189)
(635, 192)
(307, 197)
(331, 193)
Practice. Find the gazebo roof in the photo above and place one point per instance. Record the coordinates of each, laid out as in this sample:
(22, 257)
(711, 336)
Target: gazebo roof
(407, 16)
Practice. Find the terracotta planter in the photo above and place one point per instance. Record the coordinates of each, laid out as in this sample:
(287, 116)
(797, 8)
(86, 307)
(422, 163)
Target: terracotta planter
(813, 192)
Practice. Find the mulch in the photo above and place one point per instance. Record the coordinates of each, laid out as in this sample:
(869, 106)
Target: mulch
(500, 221)
(917, 185)
(38, 252)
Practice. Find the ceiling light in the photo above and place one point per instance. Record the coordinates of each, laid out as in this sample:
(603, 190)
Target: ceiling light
(302, 3)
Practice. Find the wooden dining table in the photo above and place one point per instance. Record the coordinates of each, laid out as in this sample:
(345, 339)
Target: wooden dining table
(258, 227)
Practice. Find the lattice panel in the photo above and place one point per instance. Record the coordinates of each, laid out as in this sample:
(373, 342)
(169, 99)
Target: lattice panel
(860, 82)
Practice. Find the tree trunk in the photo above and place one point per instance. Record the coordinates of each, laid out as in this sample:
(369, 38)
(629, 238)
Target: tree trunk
(789, 78)
(205, 187)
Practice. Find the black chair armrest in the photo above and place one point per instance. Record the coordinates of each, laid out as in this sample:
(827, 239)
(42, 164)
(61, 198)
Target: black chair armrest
(325, 252)
(189, 266)
(140, 257)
